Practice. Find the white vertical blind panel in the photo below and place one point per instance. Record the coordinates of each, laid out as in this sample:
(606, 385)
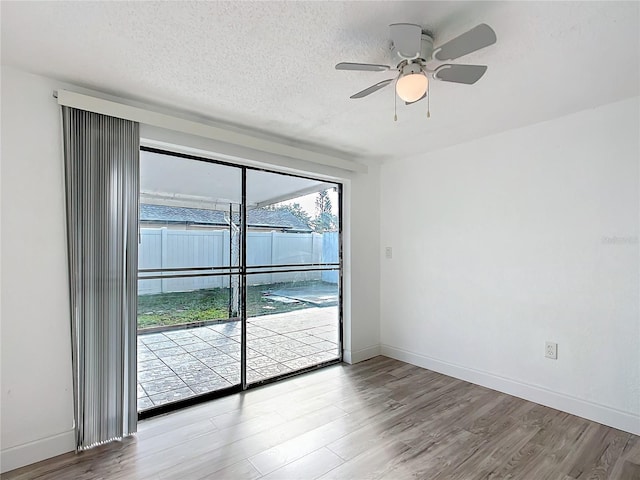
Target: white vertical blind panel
(102, 191)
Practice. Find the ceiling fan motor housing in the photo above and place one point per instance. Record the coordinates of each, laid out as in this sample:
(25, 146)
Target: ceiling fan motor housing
(410, 68)
(426, 49)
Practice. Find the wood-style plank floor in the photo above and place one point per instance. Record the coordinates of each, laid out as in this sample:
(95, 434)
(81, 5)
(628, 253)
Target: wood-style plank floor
(377, 419)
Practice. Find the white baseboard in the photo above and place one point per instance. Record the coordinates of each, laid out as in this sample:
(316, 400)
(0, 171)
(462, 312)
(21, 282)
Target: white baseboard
(32, 452)
(611, 417)
(357, 356)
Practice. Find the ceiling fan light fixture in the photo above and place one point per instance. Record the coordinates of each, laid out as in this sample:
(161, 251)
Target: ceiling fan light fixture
(412, 52)
(412, 84)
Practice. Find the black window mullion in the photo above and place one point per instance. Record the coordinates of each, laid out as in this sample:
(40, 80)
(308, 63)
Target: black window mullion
(243, 282)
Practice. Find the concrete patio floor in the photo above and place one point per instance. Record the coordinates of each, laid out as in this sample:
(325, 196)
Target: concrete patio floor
(178, 364)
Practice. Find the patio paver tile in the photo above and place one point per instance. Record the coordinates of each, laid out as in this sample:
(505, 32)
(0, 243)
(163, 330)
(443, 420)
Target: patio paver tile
(228, 369)
(223, 341)
(298, 363)
(264, 349)
(185, 368)
(251, 353)
(328, 338)
(306, 350)
(149, 364)
(317, 330)
(291, 344)
(144, 403)
(277, 339)
(260, 342)
(260, 332)
(161, 345)
(282, 355)
(141, 392)
(175, 334)
(152, 338)
(177, 360)
(233, 378)
(325, 345)
(269, 371)
(225, 328)
(262, 361)
(170, 352)
(187, 340)
(323, 356)
(211, 353)
(312, 340)
(219, 361)
(156, 373)
(208, 336)
(171, 396)
(145, 356)
(233, 348)
(299, 335)
(254, 376)
(194, 347)
(207, 387)
(205, 375)
(161, 385)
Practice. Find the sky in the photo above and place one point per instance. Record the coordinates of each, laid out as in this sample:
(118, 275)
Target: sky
(308, 203)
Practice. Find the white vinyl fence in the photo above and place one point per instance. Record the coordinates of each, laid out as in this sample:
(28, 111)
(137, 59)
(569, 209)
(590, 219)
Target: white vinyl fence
(165, 248)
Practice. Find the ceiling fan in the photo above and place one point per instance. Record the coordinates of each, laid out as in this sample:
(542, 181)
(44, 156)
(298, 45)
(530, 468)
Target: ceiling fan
(412, 53)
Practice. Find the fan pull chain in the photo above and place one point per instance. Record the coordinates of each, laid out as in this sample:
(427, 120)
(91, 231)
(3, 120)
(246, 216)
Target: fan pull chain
(395, 105)
(429, 100)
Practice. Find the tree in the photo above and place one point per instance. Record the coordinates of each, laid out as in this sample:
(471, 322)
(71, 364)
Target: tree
(295, 209)
(324, 221)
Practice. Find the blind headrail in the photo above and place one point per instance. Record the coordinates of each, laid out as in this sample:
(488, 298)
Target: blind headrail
(171, 122)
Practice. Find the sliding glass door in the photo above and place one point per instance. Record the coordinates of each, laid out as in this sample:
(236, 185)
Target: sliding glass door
(239, 278)
(292, 274)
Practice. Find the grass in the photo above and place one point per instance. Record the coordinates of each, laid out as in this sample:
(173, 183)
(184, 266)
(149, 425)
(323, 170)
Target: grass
(179, 308)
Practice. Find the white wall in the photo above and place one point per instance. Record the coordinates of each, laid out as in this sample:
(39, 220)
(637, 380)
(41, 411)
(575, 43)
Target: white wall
(37, 404)
(362, 266)
(37, 407)
(511, 240)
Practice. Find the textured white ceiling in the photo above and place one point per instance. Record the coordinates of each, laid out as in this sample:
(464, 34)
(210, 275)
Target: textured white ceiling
(269, 66)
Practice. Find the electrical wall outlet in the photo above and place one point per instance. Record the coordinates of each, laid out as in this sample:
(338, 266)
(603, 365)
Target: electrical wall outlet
(551, 350)
(388, 252)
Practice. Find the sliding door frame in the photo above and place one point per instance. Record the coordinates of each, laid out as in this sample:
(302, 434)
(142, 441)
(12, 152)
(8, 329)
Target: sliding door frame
(242, 272)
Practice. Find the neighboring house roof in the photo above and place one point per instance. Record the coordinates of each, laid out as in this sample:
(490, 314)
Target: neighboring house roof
(258, 217)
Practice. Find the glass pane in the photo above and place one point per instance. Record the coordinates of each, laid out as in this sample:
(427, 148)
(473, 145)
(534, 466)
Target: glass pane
(292, 323)
(292, 316)
(188, 304)
(183, 179)
(160, 309)
(288, 219)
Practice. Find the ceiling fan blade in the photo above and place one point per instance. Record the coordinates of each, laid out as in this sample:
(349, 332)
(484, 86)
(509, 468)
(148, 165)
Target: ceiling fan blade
(467, 74)
(415, 101)
(372, 88)
(407, 39)
(365, 67)
(478, 37)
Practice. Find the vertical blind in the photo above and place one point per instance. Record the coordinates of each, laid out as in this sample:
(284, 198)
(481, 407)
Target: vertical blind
(101, 156)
